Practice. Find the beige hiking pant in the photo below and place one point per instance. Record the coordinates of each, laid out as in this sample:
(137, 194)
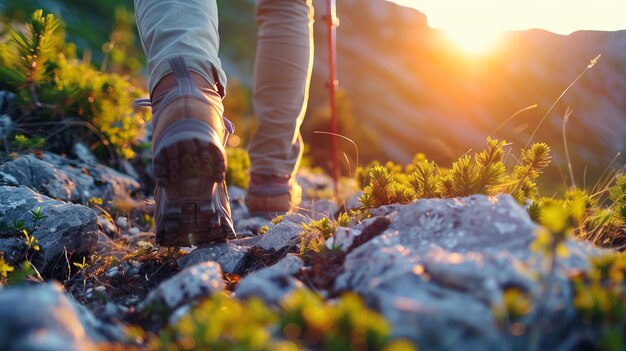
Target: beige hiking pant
(189, 28)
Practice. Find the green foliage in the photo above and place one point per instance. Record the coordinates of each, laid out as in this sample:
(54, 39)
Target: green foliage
(533, 162)
(238, 171)
(618, 195)
(424, 181)
(344, 325)
(482, 173)
(277, 219)
(5, 268)
(303, 321)
(557, 222)
(600, 298)
(343, 220)
(222, 323)
(57, 90)
(22, 142)
(121, 53)
(28, 56)
(515, 305)
(384, 189)
(14, 272)
(587, 219)
(315, 233)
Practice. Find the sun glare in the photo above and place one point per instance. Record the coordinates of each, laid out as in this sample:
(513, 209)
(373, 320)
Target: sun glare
(473, 42)
(476, 25)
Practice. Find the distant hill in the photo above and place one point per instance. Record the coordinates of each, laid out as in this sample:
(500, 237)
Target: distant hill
(411, 90)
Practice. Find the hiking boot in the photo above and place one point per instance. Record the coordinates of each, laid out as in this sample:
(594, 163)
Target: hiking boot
(189, 161)
(270, 196)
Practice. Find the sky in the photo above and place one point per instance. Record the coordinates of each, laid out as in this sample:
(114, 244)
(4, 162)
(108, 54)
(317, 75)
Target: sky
(558, 16)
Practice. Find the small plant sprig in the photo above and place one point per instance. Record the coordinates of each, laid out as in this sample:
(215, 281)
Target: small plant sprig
(26, 61)
(29, 238)
(384, 189)
(425, 181)
(533, 162)
(5, 268)
(314, 235)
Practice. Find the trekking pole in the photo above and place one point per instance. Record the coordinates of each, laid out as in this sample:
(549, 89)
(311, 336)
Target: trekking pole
(331, 25)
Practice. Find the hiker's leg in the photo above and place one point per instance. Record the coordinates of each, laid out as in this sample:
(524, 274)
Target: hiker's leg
(186, 28)
(180, 40)
(282, 74)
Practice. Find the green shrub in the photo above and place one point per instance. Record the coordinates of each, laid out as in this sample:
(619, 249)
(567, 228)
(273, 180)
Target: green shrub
(60, 93)
(600, 298)
(238, 171)
(303, 321)
(222, 323)
(346, 324)
(482, 173)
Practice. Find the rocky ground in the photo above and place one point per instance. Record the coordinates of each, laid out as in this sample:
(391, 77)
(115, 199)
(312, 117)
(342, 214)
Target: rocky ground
(439, 270)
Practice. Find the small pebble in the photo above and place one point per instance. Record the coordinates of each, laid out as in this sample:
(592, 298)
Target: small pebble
(122, 222)
(113, 272)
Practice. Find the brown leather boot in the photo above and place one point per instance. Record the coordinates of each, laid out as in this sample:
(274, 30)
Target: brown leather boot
(270, 196)
(189, 162)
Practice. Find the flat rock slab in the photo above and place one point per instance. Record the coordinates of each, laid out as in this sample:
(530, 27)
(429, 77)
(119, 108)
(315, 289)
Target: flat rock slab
(68, 230)
(68, 180)
(280, 237)
(230, 257)
(194, 282)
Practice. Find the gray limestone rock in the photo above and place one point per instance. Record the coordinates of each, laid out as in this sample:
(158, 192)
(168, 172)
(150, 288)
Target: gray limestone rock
(442, 266)
(246, 241)
(230, 257)
(296, 218)
(247, 227)
(194, 282)
(42, 318)
(342, 239)
(68, 180)
(83, 153)
(67, 230)
(7, 179)
(281, 236)
(353, 203)
(273, 283)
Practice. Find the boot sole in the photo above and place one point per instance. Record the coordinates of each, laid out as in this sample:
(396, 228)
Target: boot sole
(188, 167)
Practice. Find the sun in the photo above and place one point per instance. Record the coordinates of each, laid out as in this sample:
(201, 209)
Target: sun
(473, 41)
